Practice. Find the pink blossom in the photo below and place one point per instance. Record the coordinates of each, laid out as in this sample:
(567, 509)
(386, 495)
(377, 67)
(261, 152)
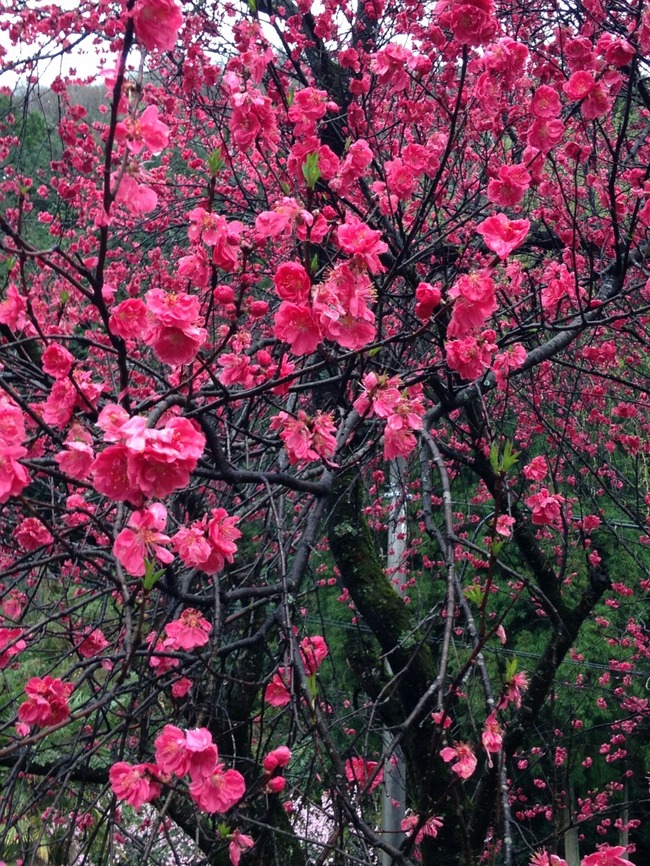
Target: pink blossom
(464, 756)
(511, 185)
(143, 540)
(57, 361)
(157, 23)
(429, 827)
(92, 642)
(13, 309)
(471, 356)
(11, 644)
(277, 759)
(173, 309)
(190, 630)
(171, 751)
(147, 130)
(492, 736)
(381, 395)
(176, 346)
(545, 133)
(504, 525)
(238, 842)
(471, 21)
(31, 534)
(356, 238)
(133, 783)
(503, 235)
(545, 102)
(546, 507)
(78, 455)
(13, 476)
(297, 325)
(543, 858)
(359, 770)
(138, 198)
(47, 702)
(277, 691)
(181, 687)
(512, 692)
(292, 283)
(427, 298)
(537, 468)
(305, 438)
(512, 359)
(219, 791)
(607, 855)
(353, 166)
(313, 651)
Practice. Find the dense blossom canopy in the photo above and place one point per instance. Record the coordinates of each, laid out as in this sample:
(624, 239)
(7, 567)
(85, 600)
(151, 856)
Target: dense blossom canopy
(324, 432)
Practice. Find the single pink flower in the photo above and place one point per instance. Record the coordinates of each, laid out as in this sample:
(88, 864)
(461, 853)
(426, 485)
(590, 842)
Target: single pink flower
(92, 643)
(545, 102)
(297, 325)
(512, 692)
(11, 644)
(133, 783)
(31, 534)
(543, 858)
(503, 235)
(157, 23)
(219, 791)
(277, 691)
(143, 540)
(292, 283)
(238, 842)
(607, 855)
(313, 651)
(190, 630)
(147, 130)
(492, 736)
(463, 755)
(546, 507)
(57, 361)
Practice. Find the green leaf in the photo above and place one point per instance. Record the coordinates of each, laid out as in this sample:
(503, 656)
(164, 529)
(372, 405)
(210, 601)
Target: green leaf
(310, 170)
(511, 669)
(151, 577)
(215, 162)
(473, 593)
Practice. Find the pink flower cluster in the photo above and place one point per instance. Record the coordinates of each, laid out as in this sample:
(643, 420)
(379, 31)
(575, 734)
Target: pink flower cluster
(402, 409)
(607, 855)
(180, 753)
(13, 475)
(313, 651)
(336, 309)
(306, 438)
(47, 702)
(145, 462)
(174, 332)
(208, 543)
(546, 507)
(429, 827)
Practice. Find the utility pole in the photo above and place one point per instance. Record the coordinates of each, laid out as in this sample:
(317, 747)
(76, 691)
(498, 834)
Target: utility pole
(394, 789)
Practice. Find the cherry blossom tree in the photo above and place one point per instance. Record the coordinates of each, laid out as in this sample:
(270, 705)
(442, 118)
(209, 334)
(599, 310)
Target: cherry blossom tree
(297, 246)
